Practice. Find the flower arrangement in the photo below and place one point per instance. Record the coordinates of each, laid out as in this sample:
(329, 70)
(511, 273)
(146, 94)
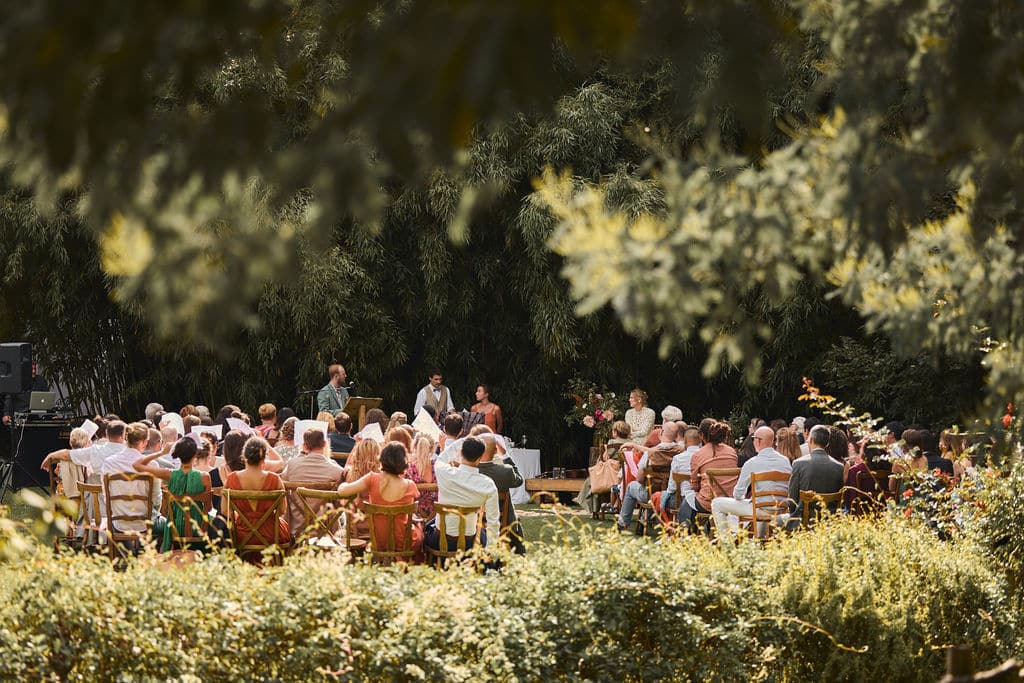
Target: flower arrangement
(593, 407)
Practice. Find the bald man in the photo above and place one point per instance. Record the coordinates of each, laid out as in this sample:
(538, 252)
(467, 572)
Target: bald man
(767, 459)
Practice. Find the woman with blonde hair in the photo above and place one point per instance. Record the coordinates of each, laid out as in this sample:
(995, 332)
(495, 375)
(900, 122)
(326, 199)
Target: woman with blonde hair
(787, 443)
(365, 458)
(421, 471)
(639, 417)
(398, 418)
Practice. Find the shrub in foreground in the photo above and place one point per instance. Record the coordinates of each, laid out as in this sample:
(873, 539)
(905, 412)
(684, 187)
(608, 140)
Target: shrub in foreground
(851, 601)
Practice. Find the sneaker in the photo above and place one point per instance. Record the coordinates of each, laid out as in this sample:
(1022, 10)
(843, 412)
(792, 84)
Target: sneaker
(620, 527)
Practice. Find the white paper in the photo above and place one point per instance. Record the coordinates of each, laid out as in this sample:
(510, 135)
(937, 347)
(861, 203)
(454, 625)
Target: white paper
(197, 438)
(174, 419)
(424, 424)
(303, 426)
(235, 423)
(208, 429)
(372, 431)
(90, 427)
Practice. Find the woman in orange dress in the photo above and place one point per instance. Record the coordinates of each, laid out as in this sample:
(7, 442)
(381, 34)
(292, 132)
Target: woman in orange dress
(491, 411)
(255, 478)
(389, 487)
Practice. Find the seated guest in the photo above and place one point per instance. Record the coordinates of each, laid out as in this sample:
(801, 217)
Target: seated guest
(930, 448)
(819, 472)
(268, 427)
(506, 476)
(184, 481)
(365, 458)
(809, 424)
(153, 442)
(341, 437)
(668, 414)
(401, 436)
(255, 478)
(747, 450)
(838, 448)
(286, 446)
(660, 455)
(671, 498)
(913, 460)
(766, 459)
(465, 486)
(620, 435)
(190, 421)
(388, 487)
(787, 443)
(92, 456)
(421, 471)
(398, 418)
(135, 436)
(451, 444)
(168, 437)
(380, 417)
(314, 466)
(714, 454)
(862, 490)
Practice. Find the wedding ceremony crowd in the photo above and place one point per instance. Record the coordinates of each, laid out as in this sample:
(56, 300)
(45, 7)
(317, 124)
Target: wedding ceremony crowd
(441, 481)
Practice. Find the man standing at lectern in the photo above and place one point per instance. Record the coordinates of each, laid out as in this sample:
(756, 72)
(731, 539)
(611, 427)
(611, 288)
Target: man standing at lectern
(435, 395)
(333, 396)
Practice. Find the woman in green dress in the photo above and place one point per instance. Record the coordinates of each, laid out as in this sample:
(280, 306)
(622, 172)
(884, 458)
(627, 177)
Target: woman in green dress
(184, 481)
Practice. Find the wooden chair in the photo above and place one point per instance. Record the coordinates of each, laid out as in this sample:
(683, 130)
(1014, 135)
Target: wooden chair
(340, 457)
(136, 494)
(247, 537)
(323, 528)
(815, 499)
(164, 492)
(677, 478)
(388, 549)
(90, 501)
(656, 480)
(296, 516)
(715, 478)
(194, 533)
(444, 551)
(767, 506)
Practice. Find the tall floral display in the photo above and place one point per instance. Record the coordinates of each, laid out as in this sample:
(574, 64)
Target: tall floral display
(596, 408)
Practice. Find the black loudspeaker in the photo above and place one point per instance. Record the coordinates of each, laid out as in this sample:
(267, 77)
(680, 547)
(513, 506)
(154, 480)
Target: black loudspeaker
(32, 442)
(15, 368)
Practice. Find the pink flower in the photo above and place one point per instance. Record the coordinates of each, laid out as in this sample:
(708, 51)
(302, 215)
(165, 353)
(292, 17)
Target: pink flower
(588, 421)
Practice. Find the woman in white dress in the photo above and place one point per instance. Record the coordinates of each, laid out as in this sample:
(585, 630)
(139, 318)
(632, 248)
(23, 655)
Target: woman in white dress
(639, 417)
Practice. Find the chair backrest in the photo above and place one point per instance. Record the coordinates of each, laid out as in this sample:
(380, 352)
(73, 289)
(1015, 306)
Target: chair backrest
(94, 493)
(296, 508)
(129, 501)
(461, 532)
(657, 477)
(189, 507)
(774, 500)
(323, 510)
(715, 478)
(427, 486)
(389, 547)
(813, 499)
(246, 534)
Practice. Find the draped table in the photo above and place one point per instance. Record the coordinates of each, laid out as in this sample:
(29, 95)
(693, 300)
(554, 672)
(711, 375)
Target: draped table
(528, 462)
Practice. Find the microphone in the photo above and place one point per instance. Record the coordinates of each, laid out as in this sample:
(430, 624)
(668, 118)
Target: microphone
(350, 385)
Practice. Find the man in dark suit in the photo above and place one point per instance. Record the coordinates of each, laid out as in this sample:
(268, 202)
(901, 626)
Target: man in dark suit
(506, 476)
(817, 472)
(333, 396)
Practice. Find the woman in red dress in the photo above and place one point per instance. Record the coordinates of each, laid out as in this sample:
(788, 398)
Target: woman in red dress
(491, 411)
(389, 487)
(255, 478)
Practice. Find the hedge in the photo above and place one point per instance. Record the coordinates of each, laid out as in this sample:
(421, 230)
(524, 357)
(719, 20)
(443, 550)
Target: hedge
(851, 600)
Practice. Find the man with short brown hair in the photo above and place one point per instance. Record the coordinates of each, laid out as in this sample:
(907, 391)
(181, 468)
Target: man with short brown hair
(333, 396)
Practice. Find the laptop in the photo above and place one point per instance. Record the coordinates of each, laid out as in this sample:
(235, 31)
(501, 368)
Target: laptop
(42, 401)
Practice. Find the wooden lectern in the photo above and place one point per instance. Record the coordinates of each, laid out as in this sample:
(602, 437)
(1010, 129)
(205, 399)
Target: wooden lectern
(356, 407)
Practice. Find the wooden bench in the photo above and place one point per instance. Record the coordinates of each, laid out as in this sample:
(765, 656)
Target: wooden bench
(541, 485)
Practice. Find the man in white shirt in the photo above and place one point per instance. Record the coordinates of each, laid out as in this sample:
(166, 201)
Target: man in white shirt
(465, 486)
(680, 465)
(93, 456)
(435, 395)
(767, 460)
(135, 436)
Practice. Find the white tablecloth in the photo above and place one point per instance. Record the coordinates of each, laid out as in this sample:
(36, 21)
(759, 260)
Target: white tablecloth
(528, 462)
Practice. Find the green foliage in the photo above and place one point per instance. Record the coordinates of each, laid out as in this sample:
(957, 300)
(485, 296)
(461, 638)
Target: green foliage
(854, 600)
